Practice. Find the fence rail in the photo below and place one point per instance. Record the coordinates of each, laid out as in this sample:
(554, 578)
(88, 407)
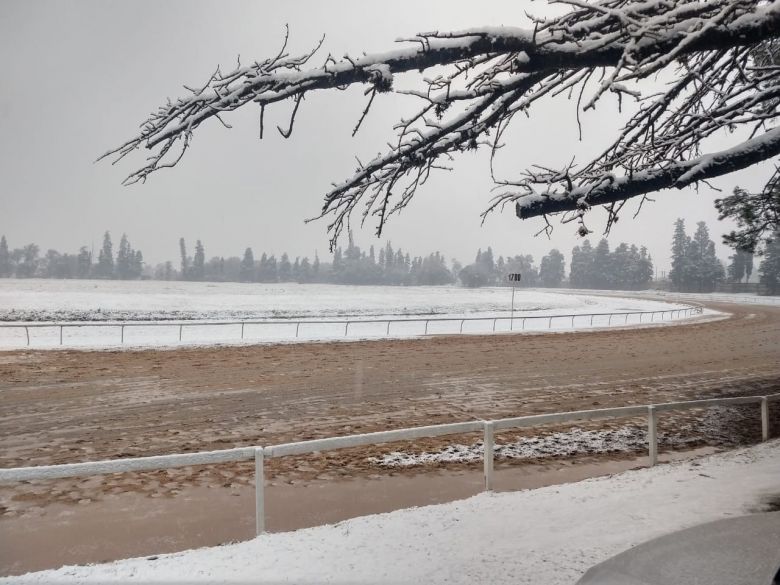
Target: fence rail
(716, 298)
(644, 317)
(488, 428)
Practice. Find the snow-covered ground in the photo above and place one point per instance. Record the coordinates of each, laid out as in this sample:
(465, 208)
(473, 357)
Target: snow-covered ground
(550, 535)
(81, 302)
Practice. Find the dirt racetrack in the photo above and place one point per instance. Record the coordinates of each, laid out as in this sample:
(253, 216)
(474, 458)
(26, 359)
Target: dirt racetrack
(63, 406)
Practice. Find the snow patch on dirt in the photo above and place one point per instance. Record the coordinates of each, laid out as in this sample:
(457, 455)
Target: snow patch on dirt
(709, 427)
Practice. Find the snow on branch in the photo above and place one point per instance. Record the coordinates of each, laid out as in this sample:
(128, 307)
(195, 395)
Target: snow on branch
(609, 189)
(720, 55)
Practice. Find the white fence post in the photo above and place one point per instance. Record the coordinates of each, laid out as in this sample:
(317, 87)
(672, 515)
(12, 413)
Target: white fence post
(259, 492)
(652, 434)
(27, 331)
(764, 419)
(487, 457)
(122, 340)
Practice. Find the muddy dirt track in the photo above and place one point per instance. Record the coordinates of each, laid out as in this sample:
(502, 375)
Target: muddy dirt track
(61, 406)
(67, 406)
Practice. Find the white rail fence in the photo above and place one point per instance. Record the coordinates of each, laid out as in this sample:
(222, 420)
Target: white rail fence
(715, 298)
(511, 321)
(488, 428)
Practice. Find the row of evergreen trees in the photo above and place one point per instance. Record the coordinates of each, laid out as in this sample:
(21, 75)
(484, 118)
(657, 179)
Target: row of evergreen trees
(486, 271)
(350, 266)
(26, 262)
(624, 268)
(695, 267)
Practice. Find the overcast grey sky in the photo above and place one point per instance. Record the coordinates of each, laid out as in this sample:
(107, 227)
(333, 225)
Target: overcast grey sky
(78, 78)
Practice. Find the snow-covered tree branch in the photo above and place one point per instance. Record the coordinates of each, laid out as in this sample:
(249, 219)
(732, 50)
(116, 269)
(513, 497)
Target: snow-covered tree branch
(715, 59)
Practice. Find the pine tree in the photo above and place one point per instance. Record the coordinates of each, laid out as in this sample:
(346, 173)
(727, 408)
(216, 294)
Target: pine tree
(706, 271)
(456, 268)
(123, 258)
(679, 274)
(552, 270)
(184, 262)
(273, 269)
(644, 273)
(247, 270)
(337, 265)
(84, 263)
(105, 265)
(736, 268)
(715, 272)
(748, 266)
(487, 259)
(315, 267)
(199, 262)
(137, 265)
(285, 268)
(296, 269)
(28, 265)
(620, 264)
(304, 272)
(5, 258)
(602, 271)
(769, 270)
(581, 270)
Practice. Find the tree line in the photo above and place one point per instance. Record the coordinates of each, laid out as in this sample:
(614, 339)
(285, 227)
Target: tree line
(695, 266)
(27, 262)
(350, 265)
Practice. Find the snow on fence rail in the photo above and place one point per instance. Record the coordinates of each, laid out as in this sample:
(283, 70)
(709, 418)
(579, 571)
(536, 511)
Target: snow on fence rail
(488, 428)
(644, 317)
(741, 299)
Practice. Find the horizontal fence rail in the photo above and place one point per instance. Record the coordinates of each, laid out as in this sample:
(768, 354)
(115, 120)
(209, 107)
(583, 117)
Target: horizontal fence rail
(644, 317)
(488, 428)
(757, 300)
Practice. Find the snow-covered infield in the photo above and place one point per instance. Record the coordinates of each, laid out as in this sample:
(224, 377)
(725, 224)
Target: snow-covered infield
(291, 312)
(550, 535)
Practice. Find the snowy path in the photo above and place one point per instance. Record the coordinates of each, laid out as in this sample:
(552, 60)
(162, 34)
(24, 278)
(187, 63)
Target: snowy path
(550, 535)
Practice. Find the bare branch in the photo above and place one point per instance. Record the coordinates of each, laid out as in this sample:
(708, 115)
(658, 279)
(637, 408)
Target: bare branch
(718, 57)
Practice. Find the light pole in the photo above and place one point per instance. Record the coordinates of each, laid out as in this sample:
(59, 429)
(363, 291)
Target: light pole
(513, 278)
